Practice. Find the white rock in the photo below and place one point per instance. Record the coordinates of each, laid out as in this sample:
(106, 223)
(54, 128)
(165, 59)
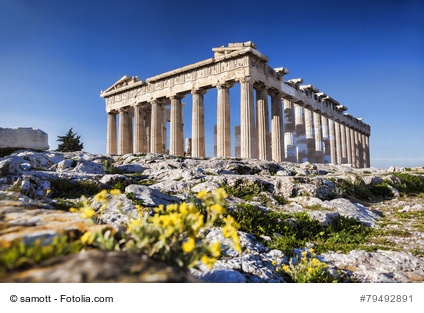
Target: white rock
(23, 137)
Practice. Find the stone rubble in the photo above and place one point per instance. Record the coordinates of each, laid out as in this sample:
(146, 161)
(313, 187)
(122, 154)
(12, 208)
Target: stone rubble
(156, 179)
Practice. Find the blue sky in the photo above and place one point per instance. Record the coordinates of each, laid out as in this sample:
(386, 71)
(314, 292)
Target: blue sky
(56, 56)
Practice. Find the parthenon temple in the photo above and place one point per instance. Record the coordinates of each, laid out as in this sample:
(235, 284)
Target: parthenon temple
(302, 123)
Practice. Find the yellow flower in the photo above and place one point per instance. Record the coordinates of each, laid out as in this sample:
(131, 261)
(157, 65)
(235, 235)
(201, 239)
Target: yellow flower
(48, 191)
(134, 224)
(104, 206)
(216, 250)
(202, 194)
(86, 238)
(304, 253)
(184, 208)
(208, 261)
(216, 208)
(188, 246)
(274, 263)
(286, 268)
(115, 192)
(86, 212)
(220, 194)
(101, 196)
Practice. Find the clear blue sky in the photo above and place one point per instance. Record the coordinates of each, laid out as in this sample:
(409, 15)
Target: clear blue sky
(56, 56)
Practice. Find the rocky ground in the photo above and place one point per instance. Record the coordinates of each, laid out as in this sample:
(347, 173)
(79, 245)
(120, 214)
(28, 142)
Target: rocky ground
(37, 190)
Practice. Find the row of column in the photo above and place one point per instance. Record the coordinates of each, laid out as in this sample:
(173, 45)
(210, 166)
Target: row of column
(307, 135)
(311, 136)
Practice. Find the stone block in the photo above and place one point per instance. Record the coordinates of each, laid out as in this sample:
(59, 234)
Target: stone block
(23, 137)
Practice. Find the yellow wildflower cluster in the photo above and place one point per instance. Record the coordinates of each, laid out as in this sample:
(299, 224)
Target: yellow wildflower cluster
(308, 270)
(174, 233)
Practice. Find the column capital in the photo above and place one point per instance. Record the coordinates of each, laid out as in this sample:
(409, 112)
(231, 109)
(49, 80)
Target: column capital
(246, 79)
(199, 91)
(124, 109)
(274, 92)
(258, 86)
(177, 97)
(112, 112)
(225, 85)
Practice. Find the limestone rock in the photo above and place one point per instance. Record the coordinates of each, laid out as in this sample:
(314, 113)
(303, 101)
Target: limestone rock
(23, 137)
(355, 210)
(150, 197)
(88, 167)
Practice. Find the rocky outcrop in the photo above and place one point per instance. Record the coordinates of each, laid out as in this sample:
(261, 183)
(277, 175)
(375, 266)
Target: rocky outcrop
(30, 210)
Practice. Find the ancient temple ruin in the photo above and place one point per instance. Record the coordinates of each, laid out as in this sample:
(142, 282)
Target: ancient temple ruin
(316, 127)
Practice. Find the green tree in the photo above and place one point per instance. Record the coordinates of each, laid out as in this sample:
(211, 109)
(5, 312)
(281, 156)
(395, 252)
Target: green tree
(70, 142)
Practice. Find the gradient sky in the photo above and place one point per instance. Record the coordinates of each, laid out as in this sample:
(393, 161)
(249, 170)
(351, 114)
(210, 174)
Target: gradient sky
(56, 57)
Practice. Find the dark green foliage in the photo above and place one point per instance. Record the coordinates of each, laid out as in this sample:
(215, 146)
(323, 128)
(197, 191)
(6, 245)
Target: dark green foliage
(70, 142)
(64, 188)
(382, 190)
(121, 185)
(280, 199)
(244, 189)
(412, 184)
(356, 189)
(8, 151)
(110, 169)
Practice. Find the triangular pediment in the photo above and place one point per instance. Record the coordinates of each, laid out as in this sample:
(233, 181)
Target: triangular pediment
(122, 82)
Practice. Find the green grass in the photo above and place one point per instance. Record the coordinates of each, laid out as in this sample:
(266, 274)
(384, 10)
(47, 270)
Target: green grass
(412, 184)
(297, 229)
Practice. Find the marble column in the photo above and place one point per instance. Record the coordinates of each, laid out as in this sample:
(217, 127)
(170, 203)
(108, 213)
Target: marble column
(277, 137)
(237, 142)
(357, 160)
(147, 123)
(289, 130)
(300, 136)
(223, 127)
(361, 150)
(353, 146)
(198, 124)
(338, 142)
(331, 127)
(326, 139)
(139, 129)
(343, 142)
(367, 150)
(156, 123)
(165, 115)
(125, 143)
(247, 119)
(309, 135)
(348, 145)
(262, 123)
(111, 133)
(319, 151)
(176, 143)
(364, 151)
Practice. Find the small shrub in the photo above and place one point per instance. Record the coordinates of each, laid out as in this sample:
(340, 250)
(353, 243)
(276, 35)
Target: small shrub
(245, 190)
(174, 234)
(382, 190)
(110, 169)
(308, 270)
